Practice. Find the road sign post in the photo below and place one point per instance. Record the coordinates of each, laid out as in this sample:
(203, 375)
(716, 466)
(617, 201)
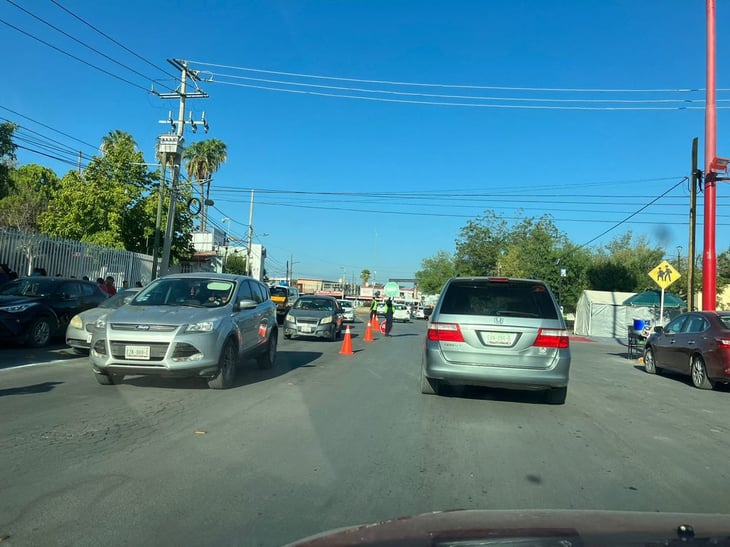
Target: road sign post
(664, 275)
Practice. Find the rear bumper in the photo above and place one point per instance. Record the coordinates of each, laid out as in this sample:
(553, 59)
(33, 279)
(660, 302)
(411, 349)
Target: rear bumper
(437, 368)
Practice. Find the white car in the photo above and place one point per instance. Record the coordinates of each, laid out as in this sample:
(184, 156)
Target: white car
(348, 311)
(419, 313)
(401, 313)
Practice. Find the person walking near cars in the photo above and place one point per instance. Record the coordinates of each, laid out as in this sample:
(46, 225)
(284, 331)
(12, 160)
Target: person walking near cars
(389, 308)
(110, 288)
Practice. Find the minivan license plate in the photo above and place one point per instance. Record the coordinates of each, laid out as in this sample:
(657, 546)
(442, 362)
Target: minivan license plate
(499, 338)
(137, 352)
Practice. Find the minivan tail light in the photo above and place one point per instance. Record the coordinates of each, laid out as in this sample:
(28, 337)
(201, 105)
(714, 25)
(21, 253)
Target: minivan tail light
(552, 338)
(444, 332)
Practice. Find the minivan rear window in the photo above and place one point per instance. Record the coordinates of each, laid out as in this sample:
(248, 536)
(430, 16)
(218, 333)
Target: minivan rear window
(512, 299)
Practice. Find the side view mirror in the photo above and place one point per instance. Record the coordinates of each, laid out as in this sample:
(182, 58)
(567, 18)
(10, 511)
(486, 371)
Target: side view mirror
(659, 329)
(247, 304)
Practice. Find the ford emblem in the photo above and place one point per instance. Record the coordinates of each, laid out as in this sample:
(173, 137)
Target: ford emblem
(143, 327)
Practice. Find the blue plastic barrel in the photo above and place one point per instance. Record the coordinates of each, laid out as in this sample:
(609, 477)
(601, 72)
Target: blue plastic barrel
(639, 324)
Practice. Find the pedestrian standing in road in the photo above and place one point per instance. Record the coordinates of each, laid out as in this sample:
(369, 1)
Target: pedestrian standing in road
(374, 311)
(389, 308)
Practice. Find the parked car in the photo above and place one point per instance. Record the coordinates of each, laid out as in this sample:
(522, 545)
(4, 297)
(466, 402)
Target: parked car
(35, 309)
(348, 311)
(419, 313)
(401, 313)
(497, 332)
(81, 326)
(695, 344)
(284, 297)
(319, 316)
(199, 324)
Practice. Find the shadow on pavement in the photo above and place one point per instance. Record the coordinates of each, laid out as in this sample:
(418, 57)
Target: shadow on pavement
(14, 355)
(684, 378)
(496, 394)
(247, 373)
(44, 387)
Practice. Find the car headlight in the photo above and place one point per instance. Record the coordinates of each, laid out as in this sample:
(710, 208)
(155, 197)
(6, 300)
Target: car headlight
(76, 322)
(202, 326)
(17, 308)
(325, 320)
(290, 318)
(101, 322)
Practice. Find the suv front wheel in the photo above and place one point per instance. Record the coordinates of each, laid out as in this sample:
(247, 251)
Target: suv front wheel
(226, 367)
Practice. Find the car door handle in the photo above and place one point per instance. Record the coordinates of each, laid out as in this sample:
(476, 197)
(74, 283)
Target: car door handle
(691, 342)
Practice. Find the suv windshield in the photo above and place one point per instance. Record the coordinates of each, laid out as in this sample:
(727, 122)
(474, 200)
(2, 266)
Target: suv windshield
(29, 286)
(512, 298)
(195, 292)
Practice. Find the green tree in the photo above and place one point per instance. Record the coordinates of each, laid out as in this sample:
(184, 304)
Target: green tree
(7, 156)
(32, 188)
(202, 159)
(723, 269)
(104, 205)
(481, 244)
(434, 272)
(365, 276)
(235, 264)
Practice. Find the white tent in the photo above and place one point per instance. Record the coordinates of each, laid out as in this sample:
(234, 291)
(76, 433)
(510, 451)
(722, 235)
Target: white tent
(602, 313)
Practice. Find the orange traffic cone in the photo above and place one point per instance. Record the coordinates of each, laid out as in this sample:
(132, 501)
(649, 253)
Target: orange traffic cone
(368, 333)
(346, 348)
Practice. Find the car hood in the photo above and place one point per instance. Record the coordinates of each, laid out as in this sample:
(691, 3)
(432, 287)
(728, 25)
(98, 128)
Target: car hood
(90, 316)
(167, 315)
(11, 300)
(542, 528)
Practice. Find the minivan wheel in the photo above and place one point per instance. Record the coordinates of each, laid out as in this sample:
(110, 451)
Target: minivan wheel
(699, 373)
(429, 386)
(556, 396)
(226, 367)
(267, 359)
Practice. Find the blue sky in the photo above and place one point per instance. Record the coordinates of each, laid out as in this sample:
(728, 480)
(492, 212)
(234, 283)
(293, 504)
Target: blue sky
(414, 168)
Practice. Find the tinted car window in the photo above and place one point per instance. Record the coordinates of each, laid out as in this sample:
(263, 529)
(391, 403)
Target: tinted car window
(520, 299)
(87, 289)
(29, 286)
(185, 292)
(71, 289)
(696, 323)
(244, 291)
(315, 304)
(676, 325)
(725, 319)
(256, 294)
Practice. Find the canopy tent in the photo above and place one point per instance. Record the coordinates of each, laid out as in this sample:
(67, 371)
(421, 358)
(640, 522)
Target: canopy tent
(606, 314)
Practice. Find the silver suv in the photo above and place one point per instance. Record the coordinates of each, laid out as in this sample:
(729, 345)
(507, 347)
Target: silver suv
(497, 332)
(200, 324)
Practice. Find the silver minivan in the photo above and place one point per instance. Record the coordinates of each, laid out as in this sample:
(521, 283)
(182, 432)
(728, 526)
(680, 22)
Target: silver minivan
(497, 332)
(200, 324)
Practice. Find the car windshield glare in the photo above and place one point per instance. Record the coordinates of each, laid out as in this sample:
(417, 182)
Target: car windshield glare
(313, 304)
(195, 292)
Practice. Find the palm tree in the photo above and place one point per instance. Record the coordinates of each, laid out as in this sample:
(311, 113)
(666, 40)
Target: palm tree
(365, 276)
(202, 159)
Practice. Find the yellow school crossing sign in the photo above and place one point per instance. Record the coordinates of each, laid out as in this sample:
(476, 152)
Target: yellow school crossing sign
(664, 274)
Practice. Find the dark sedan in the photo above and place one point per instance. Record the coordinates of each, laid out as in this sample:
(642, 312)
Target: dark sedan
(695, 344)
(35, 309)
(318, 316)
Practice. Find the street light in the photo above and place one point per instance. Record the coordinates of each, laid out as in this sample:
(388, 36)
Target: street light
(679, 250)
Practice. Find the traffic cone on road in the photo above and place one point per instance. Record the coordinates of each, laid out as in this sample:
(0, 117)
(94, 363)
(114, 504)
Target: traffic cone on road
(368, 333)
(346, 348)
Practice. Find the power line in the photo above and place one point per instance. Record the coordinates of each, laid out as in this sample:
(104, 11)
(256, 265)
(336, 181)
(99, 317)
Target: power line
(465, 105)
(62, 147)
(94, 147)
(85, 22)
(450, 86)
(62, 160)
(81, 42)
(115, 76)
(633, 215)
(45, 146)
(463, 97)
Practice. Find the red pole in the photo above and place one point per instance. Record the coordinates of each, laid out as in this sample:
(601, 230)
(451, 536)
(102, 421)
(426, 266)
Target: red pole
(709, 260)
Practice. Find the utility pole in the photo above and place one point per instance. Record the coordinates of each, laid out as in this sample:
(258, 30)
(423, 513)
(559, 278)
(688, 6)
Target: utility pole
(250, 235)
(692, 227)
(158, 220)
(709, 260)
(176, 148)
(79, 164)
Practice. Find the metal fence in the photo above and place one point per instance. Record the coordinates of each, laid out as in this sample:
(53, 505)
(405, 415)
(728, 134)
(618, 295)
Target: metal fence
(24, 251)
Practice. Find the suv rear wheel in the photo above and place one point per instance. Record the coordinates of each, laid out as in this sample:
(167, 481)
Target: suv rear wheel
(267, 359)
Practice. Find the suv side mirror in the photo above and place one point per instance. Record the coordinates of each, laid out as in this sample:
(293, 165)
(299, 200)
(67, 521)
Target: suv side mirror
(246, 304)
(659, 329)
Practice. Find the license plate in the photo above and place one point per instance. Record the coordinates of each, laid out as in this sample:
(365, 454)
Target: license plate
(307, 329)
(137, 352)
(499, 338)
(88, 337)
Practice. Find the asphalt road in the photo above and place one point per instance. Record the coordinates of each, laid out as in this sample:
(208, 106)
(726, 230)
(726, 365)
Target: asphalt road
(325, 440)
